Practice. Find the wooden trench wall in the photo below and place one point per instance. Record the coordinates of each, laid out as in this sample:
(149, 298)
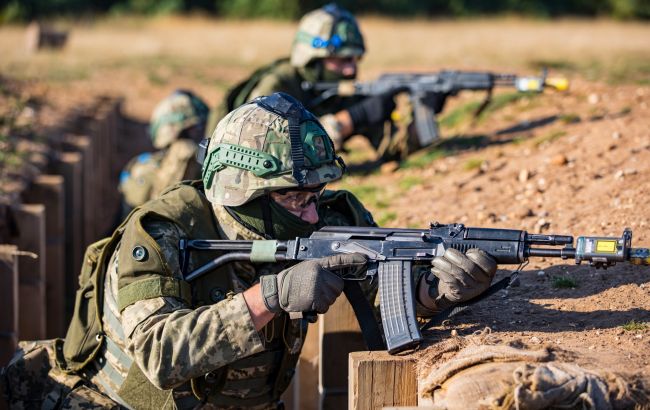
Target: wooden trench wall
(70, 204)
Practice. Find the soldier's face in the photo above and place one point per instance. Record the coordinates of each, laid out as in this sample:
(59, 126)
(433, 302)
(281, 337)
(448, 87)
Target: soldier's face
(303, 204)
(346, 67)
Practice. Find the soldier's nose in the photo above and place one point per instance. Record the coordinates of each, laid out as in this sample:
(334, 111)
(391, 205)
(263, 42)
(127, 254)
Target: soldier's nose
(309, 213)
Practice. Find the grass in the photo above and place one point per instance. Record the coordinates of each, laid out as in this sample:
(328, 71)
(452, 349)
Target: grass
(385, 217)
(633, 326)
(564, 282)
(472, 164)
(548, 137)
(370, 195)
(569, 118)
(467, 112)
(409, 181)
(426, 157)
(445, 147)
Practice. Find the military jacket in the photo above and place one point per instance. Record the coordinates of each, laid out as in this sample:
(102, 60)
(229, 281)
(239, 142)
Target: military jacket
(166, 343)
(148, 174)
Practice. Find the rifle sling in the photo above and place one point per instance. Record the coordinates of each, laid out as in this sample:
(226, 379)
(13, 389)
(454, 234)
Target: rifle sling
(365, 316)
(459, 307)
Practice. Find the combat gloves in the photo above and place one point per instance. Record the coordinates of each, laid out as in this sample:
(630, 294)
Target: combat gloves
(309, 286)
(456, 277)
(372, 110)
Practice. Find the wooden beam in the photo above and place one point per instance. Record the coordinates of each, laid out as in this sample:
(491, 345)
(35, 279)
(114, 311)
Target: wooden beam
(9, 297)
(70, 166)
(31, 272)
(83, 145)
(338, 335)
(49, 191)
(377, 380)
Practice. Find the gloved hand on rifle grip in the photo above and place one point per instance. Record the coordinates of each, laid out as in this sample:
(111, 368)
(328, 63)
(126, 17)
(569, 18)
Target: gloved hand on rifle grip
(457, 277)
(372, 110)
(309, 286)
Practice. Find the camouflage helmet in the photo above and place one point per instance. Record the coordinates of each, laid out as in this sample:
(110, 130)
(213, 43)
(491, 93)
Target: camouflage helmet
(326, 32)
(268, 144)
(176, 113)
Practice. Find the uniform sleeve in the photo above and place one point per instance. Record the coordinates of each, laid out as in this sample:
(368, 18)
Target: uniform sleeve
(177, 344)
(169, 341)
(267, 85)
(277, 82)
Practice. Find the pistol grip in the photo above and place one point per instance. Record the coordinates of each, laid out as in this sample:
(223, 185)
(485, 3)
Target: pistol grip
(397, 305)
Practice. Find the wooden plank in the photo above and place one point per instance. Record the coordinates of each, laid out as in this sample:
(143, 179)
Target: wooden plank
(49, 191)
(106, 125)
(70, 166)
(302, 394)
(9, 297)
(339, 335)
(31, 272)
(83, 145)
(378, 379)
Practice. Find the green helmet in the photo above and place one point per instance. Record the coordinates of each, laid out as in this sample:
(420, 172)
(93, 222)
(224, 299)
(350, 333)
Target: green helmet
(175, 114)
(268, 144)
(326, 32)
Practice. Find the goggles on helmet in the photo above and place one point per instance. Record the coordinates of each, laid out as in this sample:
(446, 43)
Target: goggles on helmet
(344, 21)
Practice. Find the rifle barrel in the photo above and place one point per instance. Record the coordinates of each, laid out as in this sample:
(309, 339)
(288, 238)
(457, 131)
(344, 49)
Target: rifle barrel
(563, 253)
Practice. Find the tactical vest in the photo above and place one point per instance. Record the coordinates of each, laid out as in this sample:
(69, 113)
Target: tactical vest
(188, 209)
(252, 381)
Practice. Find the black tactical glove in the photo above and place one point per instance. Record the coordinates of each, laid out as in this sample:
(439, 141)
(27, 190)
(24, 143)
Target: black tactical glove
(372, 110)
(309, 286)
(458, 278)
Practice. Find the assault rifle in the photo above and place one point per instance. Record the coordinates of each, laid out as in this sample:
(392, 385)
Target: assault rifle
(393, 252)
(429, 91)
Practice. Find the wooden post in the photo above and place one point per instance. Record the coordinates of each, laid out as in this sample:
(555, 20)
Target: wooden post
(339, 335)
(49, 191)
(69, 165)
(31, 272)
(83, 145)
(302, 394)
(378, 379)
(9, 297)
(106, 128)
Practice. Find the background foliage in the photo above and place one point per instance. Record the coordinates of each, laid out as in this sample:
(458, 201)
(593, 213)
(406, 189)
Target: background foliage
(24, 10)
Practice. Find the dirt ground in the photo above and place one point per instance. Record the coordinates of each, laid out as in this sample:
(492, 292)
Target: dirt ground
(576, 163)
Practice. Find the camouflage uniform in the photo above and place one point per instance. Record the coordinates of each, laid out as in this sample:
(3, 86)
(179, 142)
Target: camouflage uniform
(148, 174)
(313, 41)
(34, 380)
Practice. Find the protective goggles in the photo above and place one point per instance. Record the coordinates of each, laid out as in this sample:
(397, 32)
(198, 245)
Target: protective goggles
(298, 199)
(342, 18)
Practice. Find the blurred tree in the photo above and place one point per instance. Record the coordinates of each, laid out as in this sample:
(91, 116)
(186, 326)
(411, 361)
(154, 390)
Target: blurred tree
(24, 10)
